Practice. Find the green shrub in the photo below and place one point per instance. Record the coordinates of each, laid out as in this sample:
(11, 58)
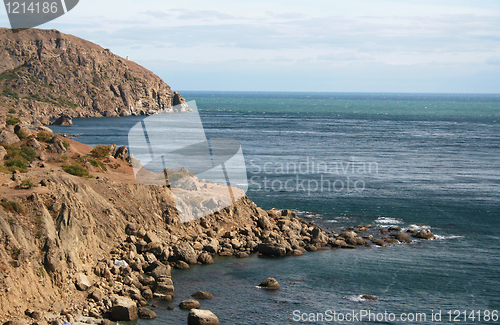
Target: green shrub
(17, 163)
(26, 184)
(12, 121)
(96, 163)
(43, 136)
(100, 151)
(10, 93)
(76, 169)
(9, 75)
(65, 144)
(12, 111)
(13, 206)
(28, 153)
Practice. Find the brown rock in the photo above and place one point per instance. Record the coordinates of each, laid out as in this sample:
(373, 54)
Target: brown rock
(403, 237)
(202, 317)
(202, 295)
(124, 309)
(205, 258)
(8, 138)
(424, 234)
(273, 249)
(185, 252)
(270, 283)
(146, 313)
(189, 304)
(63, 120)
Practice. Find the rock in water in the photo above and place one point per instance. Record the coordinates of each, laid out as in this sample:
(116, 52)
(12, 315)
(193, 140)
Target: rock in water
(63, 120)
(368, 297)
(124, 309)
(273, 249)
(424, 234)
(202, 295)
(270, 283)
(202, 317)
(189, 304)
(146, 313)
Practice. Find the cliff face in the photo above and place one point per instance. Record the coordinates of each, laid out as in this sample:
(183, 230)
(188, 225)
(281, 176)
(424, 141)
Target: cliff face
(45, 73)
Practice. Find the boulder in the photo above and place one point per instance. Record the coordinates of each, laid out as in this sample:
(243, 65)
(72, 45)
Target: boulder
(185, 252)
(82, 283)
(56, 145)
(273, 249)
(22, 131)
(213, 246)
(402, 237)
(202, 295)
(146, 313)
(33, 143)
(8, 138)
(424, 234)
(205, 258)
(264, 223)
(270, 283)
(124, 309)
(96, 295)
(151, 237)
(63, 120)
(121, 153)
(161, 271)
(202, 317)
(178, 99)
(45, 129)
(3, 152)
(189, 304)
(163, 289)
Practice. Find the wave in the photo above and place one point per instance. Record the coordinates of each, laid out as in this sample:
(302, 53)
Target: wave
(387, 220)
(419, 227)
(357, 298)
(444, 237)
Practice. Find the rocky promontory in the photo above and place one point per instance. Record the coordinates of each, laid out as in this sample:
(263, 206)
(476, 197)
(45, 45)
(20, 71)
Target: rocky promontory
(45, 74)
(79, 237)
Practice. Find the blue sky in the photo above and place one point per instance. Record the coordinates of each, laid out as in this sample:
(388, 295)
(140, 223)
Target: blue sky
(317, 45)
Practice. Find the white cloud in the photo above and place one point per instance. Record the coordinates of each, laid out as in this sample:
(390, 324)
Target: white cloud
(318, 37)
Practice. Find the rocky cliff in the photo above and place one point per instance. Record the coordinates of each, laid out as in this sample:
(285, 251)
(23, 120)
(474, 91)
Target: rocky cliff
(79, 237)
(45, 73)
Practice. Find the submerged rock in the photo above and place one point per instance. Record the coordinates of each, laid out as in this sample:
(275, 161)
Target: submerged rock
(202, 317)
(146, 313)
(189, 304)
(270, 283)
(202, 295)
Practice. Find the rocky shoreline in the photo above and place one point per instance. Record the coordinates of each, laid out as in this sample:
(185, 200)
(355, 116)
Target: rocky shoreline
(98, 248)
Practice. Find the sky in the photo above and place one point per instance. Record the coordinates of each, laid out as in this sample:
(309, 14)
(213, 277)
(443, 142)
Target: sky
(439, 46)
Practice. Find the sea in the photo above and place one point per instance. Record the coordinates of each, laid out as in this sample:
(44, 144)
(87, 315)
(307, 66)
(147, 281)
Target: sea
(426, 161)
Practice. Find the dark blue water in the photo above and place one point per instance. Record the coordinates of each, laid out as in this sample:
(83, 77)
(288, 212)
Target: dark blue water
(348, 159)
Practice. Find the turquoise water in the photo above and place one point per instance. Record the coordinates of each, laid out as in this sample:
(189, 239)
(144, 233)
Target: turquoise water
(434, 160)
